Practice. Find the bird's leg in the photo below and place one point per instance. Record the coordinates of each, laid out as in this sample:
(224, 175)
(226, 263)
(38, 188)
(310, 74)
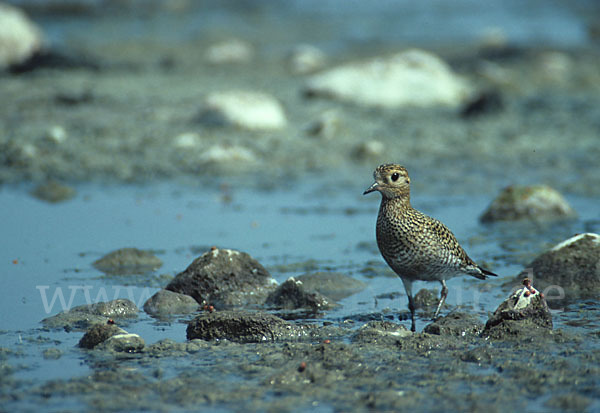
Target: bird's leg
(411, 304)
(411, 307)
(443, 295)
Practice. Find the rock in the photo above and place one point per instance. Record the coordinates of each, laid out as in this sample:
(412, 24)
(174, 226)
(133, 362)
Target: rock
(119, 308)
(166, 302)
(56, 134)
(426, 299)
(368, 150)
(229, 51)
(334, 285)
(73, 320)
(569, 271)
(243, 109)
(53, 192)
(536, 202)
(187, 141)
(524, 312)
(455, 324)
(169, 348)
(292, 295)
(123, 343)
(227, 154)
(484, 103)
(304, 59)
(127, 261)
(479, 355)
(410, 78)
(20, 38)
(83, 316)
(380, 332)
(243, 327)
(326, 126)
(52, 353)
(99, 333)
(224, 278)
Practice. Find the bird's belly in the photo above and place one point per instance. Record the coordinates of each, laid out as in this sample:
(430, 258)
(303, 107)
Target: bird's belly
(423, 271)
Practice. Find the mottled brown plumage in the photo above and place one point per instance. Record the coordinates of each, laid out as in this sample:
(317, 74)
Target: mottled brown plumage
(416, 246)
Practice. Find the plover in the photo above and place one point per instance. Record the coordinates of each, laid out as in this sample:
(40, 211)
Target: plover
(414, 245)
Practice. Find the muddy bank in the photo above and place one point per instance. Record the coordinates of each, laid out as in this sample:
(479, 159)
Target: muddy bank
(137, 115)
(402, 371)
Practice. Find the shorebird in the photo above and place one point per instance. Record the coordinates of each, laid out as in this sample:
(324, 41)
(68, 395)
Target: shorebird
(414, 245)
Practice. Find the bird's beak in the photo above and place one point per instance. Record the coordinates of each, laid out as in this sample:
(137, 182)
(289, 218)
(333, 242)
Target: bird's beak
(372, 188)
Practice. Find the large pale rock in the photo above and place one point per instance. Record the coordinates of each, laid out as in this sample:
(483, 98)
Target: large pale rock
(20, 38)
(244, 109)
(568, 271)
(410, 78)
(229, 51)
(535, 202)
(304, 59)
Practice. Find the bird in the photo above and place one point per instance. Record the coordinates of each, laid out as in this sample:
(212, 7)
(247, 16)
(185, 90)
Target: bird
(416, 246)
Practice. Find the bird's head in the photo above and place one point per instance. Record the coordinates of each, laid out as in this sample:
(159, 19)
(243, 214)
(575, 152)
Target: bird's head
(391, 180)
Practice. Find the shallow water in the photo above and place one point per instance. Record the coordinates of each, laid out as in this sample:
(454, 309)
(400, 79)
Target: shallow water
(298, 208)
(48, 250)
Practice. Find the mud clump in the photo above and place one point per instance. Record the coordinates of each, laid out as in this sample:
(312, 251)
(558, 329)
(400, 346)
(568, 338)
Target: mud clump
(127, 261)
(84, 316)
(455, 324)
(292, 295)
(242, 327)
(524, 313)
(98, 333)
(165, 303)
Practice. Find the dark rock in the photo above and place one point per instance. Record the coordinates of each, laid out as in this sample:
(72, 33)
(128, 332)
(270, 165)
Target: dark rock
(166, 302)
(84, 316)
(380, 332)
(127, 261)
(535, 202)
(455, 324)
(525, 312)
(224, 278)
(569, 271)
(123, 343)
(334, 285)
(293, 295)
(99, 333)
(53, 192)
(483, 103)
(54, 59)
(242, 326)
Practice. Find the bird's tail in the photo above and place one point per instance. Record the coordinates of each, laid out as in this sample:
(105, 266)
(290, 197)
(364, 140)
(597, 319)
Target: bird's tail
(486, 272)
(478, 272)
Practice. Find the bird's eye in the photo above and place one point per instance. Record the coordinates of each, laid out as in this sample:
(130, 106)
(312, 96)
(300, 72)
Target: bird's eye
(395, 176)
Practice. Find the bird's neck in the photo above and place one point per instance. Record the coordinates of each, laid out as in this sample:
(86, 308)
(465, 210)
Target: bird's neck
(398, 202)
